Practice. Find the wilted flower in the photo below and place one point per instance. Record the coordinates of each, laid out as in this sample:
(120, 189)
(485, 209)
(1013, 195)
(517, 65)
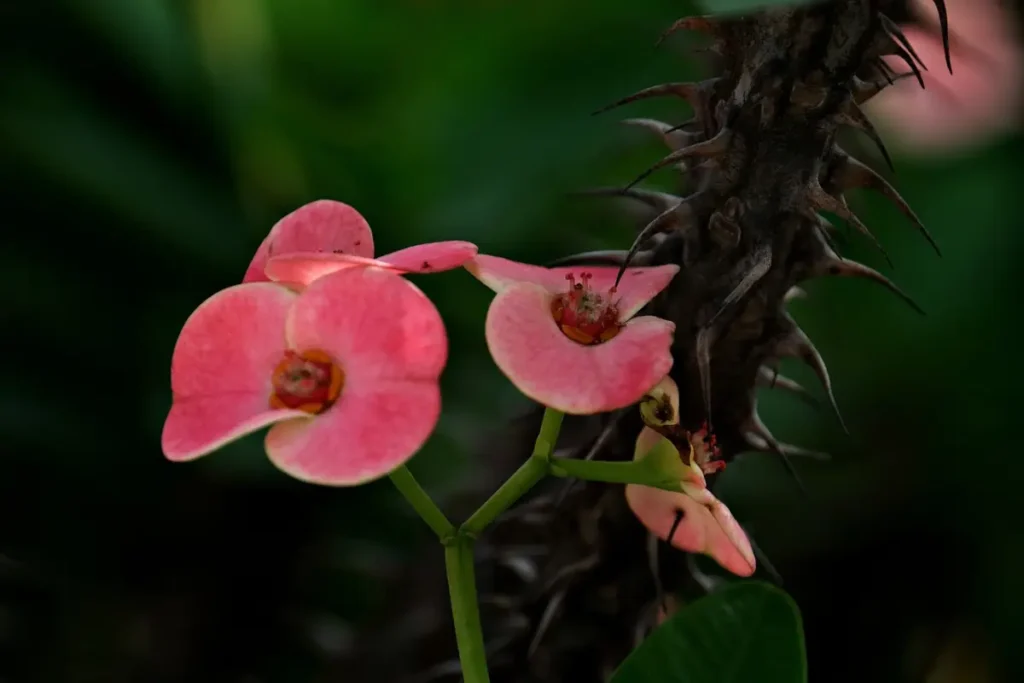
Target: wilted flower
(567, 338)
(347, 369)
(979, 100)
(694, 520)
(325, 236)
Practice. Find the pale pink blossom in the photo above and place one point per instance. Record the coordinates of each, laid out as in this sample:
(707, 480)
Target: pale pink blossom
(980, 100)
(346, 371)
(568, 338)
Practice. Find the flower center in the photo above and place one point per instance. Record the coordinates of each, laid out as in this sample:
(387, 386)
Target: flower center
(307, 381)
(583, 315)
(706, 452)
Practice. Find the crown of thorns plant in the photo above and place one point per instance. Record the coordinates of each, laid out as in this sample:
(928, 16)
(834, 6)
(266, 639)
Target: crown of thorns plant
(661, 346)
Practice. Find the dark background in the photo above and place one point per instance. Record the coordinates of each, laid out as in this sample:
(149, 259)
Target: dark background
(147, 148)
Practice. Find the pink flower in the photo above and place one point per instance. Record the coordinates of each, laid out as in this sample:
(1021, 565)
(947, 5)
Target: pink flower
(978, 101)
(567, 339)
(706, 525)
(325, 236)
(346, 371)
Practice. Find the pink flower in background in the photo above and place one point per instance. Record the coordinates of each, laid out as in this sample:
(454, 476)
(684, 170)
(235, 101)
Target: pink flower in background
(347, 372)
(567, 338)
(982, 97)
(325, 236)
(706, 525)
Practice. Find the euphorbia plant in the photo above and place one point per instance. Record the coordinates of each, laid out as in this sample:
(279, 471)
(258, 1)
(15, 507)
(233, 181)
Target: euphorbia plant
(340, 355)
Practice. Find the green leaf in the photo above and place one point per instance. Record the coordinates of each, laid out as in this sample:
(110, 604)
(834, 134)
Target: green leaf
(749, 631)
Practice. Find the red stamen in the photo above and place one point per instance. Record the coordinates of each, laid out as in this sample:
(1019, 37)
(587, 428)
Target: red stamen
(583, 315)
(309, 381)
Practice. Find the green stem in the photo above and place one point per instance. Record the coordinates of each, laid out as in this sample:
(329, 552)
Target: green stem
(421, 502)
(614, 472)
(458, 558)
(531, 472)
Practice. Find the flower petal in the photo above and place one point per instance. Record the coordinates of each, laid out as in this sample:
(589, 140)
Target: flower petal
(321, 226)
(637, 287)
(221, 369)
(499, 273)
(432, 257)
(301, 268)
(981, 99)
(713, 532)
(374, 427)
(198, 426)
(374, 323)
(550, 368)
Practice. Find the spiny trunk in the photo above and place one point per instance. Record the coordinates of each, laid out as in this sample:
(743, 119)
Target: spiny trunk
(570, 581)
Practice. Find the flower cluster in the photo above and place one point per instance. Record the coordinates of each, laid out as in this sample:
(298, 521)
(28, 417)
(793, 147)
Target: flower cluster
(340, 355)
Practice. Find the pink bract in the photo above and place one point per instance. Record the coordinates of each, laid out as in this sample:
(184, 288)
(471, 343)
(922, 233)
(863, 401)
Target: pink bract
(326, 236)
(707, 526)
(387, 338)
(323, 226)
(531, 349)
(982, 97)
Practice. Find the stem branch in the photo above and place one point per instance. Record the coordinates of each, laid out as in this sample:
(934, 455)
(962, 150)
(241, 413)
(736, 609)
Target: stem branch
(531, 472)
(613, 472)
(421, 502)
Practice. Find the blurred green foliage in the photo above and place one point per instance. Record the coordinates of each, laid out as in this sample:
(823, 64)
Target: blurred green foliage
(148, 146)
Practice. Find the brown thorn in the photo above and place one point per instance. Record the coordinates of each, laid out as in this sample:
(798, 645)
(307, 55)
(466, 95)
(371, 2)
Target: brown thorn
(847, 268)
(824, 201)
(675, 526)
(671, 137)
(758, 429)
(902, 54)
(803, 348)
(703, 351)
(940, 5)
(854, 116)
(656, 200)
(865, 90)
(760, 263)
(713, 147)
(854, 174)
(603, 257)
(897, 35)
(685, 90)
(771, 378)
(794, 293)
(702, 24)
(654, 227)
(763, 558)
(758, 444)
(886, 70)
(547, 617)
(684, 124)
